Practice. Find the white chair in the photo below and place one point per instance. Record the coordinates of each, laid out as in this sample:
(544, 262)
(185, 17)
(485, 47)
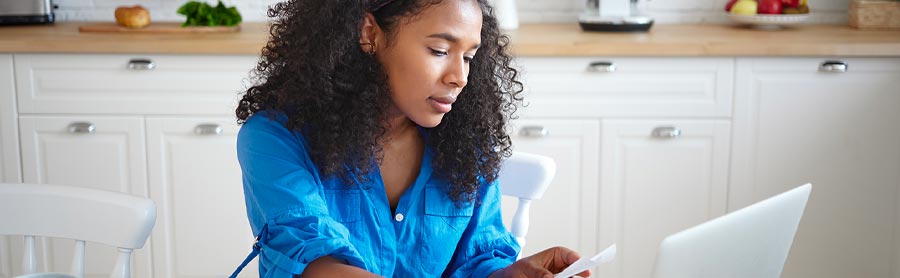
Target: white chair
(525, 176)
(77, 213)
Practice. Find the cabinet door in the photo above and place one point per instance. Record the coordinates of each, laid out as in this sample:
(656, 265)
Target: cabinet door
(564, 216)
(9, 140)
(9, 151)
(795, 124)
(657, 177)
(60, 150)
(196, 182)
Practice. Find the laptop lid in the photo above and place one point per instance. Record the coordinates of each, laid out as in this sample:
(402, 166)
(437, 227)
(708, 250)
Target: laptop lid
(750, 242)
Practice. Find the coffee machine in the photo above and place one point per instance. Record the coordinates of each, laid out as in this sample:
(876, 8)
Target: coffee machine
(614, 16)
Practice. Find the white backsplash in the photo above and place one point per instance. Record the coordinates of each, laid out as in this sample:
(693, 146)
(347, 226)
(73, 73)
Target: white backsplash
(529, 11)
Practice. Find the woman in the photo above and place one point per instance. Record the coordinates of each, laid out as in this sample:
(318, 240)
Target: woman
(372, 138)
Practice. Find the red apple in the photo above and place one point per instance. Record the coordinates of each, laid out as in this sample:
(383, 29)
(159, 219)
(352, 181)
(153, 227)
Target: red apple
(728, 6)
(769, 7)
(790, 3)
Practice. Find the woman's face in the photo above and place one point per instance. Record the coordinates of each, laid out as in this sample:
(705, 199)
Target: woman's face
(427, 62)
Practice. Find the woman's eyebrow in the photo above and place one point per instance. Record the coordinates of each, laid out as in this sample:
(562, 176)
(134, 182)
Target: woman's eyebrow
(450, 38)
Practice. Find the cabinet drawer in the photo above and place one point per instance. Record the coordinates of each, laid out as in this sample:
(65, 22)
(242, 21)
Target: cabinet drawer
(130, 84)
(627, 87)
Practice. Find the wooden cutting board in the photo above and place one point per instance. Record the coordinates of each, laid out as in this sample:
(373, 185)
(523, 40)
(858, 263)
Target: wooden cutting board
(155, 27)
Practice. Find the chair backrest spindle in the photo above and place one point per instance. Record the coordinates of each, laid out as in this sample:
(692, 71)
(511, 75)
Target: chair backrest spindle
(123, 264)
(29, 258)
(78, 259)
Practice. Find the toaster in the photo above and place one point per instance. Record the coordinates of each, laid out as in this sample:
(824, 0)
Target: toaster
(14, 12)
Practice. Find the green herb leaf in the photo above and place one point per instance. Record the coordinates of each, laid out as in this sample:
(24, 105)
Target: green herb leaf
(202, 14)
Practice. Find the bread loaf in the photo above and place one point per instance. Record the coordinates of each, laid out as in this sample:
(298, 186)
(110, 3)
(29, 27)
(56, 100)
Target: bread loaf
(132, 17)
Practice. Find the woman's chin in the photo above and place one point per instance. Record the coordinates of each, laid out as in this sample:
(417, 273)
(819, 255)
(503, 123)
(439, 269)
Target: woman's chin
(430, 121)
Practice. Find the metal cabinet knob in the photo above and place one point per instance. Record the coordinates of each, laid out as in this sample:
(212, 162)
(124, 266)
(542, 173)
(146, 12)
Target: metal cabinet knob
(208, 129)
(833, 66)
(81, 128)
(602, 66)
(534, 131)
(141, 64)
(666, 132)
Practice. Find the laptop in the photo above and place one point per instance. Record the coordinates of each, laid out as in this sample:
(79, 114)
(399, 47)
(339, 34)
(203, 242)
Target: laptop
(751, 242)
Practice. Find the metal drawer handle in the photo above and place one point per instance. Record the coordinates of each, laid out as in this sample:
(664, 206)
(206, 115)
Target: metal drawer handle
(833, 66)
(81, 127)
(141, 64)
(534, 131)
(666, 132)
(208, 129)
(601, 67)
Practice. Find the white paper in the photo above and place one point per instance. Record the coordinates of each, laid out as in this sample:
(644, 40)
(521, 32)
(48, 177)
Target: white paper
(583, 264)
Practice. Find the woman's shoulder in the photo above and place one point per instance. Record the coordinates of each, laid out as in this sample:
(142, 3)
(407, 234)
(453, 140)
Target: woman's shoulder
(268, 127)
(266, 119)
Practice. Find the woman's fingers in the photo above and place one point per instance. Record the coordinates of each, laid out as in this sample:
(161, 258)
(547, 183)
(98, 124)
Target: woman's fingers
(561, 258)
(543, 264)
(586, 273)
(540, 272)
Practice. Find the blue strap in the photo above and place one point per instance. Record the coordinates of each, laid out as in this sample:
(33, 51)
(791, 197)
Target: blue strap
(252, 255)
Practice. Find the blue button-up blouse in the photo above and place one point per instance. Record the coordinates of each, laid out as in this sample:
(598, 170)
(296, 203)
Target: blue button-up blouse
(307, 216)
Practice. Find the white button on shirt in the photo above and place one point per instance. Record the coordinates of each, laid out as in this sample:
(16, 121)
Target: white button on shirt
(398, 217)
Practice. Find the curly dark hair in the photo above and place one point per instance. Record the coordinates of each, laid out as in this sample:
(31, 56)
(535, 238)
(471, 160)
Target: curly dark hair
(313, 70)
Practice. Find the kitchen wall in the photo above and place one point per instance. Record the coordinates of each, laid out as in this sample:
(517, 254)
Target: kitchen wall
(665, 11)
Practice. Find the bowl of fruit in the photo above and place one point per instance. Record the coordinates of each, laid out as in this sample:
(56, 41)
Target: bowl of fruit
(768, 14)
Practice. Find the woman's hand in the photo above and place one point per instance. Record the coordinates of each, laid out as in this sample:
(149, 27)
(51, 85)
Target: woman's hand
(541, 265)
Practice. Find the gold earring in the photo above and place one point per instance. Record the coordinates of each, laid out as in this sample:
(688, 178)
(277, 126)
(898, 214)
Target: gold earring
(371, 50)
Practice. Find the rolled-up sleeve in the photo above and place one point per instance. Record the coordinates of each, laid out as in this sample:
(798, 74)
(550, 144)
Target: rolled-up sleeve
(486, 245)
(282, 194)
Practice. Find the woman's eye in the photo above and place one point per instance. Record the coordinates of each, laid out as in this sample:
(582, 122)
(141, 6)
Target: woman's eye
(468, 59)
(438, 52)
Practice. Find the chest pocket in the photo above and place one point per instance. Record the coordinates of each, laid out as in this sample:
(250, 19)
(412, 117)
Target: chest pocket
(343, 205)
(443, 226)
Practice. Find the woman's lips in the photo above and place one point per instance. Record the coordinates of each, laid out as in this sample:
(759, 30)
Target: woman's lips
(442, 104)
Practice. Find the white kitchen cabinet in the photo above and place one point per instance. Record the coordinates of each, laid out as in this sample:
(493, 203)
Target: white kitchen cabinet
(9, 141)
(564, 216)
(201, 227)
(658, 177)
(645, 187)
(102, 152)
(750, 128)
(9, 149)
(795, 124)
(143, 143)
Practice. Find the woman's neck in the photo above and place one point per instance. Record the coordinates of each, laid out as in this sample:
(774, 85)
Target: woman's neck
(398, 127)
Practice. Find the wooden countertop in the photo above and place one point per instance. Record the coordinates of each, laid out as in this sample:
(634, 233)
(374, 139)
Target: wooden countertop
(63, 37)
(528, 40)
(707, 40)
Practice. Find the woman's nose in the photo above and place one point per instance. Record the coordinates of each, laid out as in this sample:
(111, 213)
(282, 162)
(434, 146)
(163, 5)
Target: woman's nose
(457, 73)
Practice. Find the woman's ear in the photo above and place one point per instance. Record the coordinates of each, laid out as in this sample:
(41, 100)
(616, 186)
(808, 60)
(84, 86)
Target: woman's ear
(368, 33)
